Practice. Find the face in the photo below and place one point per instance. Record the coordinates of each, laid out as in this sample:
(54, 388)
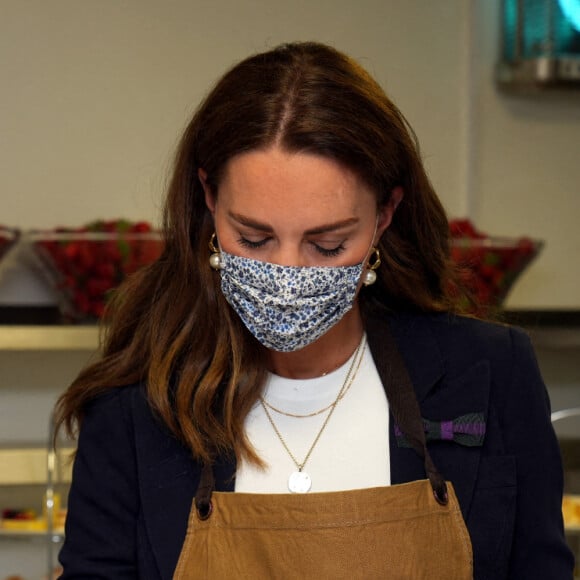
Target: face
(295, 209)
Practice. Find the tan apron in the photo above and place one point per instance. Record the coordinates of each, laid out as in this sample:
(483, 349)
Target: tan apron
(409, 531)
(397, 532)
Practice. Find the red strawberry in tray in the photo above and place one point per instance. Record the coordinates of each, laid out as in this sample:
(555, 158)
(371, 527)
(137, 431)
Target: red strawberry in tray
(86, 264)
(489, 265)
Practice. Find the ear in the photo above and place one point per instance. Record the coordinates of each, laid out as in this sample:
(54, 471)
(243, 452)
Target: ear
(387, 211)
(209, 196)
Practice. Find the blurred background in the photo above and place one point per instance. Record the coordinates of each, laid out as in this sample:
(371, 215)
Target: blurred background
(95, 94)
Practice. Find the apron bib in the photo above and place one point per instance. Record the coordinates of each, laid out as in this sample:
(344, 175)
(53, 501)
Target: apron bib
(410, 531)
(396, 532)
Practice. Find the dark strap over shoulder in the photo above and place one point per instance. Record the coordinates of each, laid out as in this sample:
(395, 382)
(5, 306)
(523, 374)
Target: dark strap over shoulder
(205, 488)
(401, 395)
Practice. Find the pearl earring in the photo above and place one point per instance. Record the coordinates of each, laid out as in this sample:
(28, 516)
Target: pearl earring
(370, 275)
(215, 260)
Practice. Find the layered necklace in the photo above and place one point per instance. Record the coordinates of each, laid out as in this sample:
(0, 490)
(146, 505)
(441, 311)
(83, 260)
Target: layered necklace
(299, 480)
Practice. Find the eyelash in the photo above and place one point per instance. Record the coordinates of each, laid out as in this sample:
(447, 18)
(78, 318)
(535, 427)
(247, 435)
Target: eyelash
(253, 245)
(327, 253)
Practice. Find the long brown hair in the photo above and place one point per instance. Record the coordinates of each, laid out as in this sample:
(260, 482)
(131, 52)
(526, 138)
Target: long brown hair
(170, 327)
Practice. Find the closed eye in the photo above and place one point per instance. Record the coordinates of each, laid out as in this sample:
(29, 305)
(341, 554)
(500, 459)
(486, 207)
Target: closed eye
(329, 252)
(252, 243)
(322, 250)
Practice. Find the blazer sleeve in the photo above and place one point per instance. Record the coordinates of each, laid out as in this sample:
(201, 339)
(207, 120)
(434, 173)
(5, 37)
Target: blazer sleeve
(539, 548)
(103, 504)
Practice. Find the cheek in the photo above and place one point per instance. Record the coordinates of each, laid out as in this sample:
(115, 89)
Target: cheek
(363, 250)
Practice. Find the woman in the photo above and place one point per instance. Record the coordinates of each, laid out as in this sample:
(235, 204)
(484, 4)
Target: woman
(296, 344)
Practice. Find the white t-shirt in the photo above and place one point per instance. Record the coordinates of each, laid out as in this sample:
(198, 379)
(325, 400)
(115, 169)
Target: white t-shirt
(353, 450)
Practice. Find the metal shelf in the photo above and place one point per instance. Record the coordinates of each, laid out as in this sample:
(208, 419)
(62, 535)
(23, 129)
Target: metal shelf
(549, 329)
(27, 465)
(49, 338)
(9, 534)
(555, 338)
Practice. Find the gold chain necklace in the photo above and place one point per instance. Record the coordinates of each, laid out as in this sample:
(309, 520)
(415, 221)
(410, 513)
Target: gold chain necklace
(299, 481)
(341, 395)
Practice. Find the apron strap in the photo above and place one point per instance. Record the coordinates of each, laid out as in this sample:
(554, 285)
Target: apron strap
(205, 488)
(402, 401)
(401, 396)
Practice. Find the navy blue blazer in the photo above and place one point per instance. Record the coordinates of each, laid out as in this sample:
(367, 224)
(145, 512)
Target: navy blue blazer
(133, 483)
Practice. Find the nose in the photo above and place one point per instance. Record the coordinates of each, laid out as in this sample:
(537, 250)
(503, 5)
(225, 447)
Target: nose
(287, 255)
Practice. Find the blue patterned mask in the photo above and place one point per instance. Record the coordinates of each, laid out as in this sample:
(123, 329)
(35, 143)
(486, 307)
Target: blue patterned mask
(288, 307)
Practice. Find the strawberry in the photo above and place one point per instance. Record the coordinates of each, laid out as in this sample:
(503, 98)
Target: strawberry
(488, 266)
(90, 261)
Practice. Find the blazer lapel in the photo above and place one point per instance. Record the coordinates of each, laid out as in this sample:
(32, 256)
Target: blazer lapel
(457, 396)
(412, 338)
(440, 398)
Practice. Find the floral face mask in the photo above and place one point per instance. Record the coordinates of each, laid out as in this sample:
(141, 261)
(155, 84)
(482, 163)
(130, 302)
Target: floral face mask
(288, 307)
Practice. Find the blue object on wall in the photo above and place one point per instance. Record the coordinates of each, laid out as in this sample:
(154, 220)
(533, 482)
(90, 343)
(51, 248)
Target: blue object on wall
(542, 28)
(540, 45)
(571, 10)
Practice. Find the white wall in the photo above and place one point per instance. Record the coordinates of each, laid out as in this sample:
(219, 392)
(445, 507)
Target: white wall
(526, 174)
(95, 94)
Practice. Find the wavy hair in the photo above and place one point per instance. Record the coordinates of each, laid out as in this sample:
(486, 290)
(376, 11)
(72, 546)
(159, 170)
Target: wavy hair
(171, 329)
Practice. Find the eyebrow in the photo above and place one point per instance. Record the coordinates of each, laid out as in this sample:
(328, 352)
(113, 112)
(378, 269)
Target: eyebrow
(249, 222)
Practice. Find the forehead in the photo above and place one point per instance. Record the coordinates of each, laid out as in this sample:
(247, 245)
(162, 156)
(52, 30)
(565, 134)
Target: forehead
(275, 180)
